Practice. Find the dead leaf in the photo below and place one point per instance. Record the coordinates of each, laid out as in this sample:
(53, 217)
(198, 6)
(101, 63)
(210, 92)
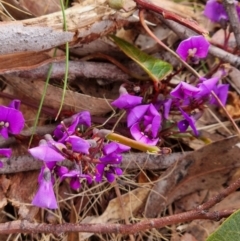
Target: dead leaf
(73, 101)
(21, 191)
(207, 168)
(25, 61)
(233, 105)
(39, 8)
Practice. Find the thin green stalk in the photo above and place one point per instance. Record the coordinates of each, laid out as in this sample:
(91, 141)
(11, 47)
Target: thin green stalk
(42, 99)
(66, 63)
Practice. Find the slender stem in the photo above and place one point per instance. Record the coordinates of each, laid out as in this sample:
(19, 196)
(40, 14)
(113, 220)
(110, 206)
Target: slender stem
(67, 61)
(42, 100)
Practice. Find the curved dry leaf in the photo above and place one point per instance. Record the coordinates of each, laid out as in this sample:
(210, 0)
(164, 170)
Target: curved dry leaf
(207, 168)
(73, 101)
(25, 61)
(132, 202)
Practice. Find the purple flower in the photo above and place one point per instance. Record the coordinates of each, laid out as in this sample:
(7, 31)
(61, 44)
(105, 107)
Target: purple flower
(126, 101)
(7, 152)
(45, 197)
(114, 147)
(76, 177)
(15, 104)
(145, 122)
(184, 90)
(45, 152)
(195, 47)
(222, 92)
(139, 135)
(188, 121)
(11, 121)
(206, 86)
(136, 114)
(82, 118)
(215, 11)
(107, 170)
(79, 144)
(108, 165)
(61, 170)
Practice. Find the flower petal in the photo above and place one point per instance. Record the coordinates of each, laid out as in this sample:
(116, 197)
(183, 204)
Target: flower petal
(46, 154)
(126, 101)
(136, 114)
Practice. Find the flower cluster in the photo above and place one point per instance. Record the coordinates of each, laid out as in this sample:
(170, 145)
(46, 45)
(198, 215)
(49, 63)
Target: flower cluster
(143, 120)
(11, 122)
(87, 164)
(148, 118)
(193, 49)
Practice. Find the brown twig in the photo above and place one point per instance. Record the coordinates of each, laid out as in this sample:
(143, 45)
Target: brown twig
(171, 16)
(130, 161)
(77, 69)
(201, 212)
(230, 7)
(24, 226)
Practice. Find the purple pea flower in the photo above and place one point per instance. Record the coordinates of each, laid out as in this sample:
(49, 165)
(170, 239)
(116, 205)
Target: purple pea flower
(46, 152)
(184, 90)
(108, 165)
(222, 92)
(140, 135)
(114, 147)
(79, 144)
(82, 118)
(195, 47)
(125, 100)
(164, 105)
(145, 122)
(11, 120)
(45, 197)
(7, 152)
(215, 11)
(15, 104)
(76, 177)
(188, 121)
(206, 86)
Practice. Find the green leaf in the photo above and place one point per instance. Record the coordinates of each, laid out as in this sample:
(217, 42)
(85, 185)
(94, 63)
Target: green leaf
(229, 230)
(156, 68)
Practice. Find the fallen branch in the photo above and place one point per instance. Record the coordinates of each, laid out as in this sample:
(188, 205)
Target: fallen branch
(76, 69)
(24, 226)
(201, 212)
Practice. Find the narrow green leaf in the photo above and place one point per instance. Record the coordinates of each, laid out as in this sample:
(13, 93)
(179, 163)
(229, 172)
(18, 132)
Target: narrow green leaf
(156, 68)
(229, 230)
